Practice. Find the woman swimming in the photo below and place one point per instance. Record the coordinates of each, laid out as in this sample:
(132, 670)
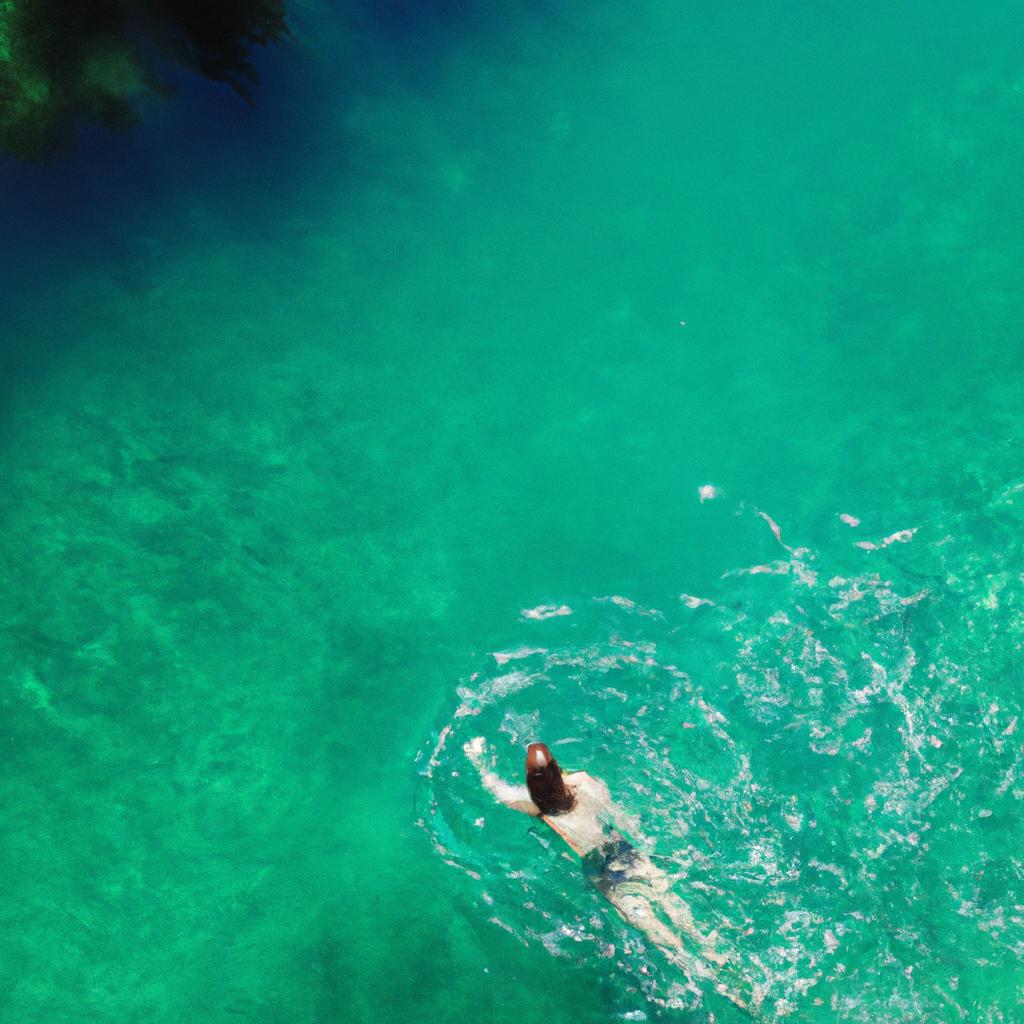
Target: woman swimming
(579, 809)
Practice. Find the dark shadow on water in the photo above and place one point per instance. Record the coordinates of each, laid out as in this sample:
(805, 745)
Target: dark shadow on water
(254, 164)
(202, 166)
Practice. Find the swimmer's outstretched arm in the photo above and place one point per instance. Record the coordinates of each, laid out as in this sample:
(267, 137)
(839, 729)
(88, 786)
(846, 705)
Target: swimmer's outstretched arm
(516, 797)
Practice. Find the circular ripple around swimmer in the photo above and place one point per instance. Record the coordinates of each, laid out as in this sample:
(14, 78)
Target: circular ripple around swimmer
(822, 752)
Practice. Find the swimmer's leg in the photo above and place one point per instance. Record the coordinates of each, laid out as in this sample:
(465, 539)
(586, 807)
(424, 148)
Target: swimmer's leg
(639, 901)
(674, 907)
(679, 914)
(639, 912)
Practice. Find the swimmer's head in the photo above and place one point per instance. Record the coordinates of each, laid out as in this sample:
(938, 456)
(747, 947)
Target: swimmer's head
(538, 757)
(544, 781)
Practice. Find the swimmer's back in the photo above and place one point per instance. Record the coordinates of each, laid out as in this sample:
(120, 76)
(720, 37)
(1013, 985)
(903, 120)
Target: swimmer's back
(583, 826)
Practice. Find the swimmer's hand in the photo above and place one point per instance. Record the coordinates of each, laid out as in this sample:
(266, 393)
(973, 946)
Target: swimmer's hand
(474, 749)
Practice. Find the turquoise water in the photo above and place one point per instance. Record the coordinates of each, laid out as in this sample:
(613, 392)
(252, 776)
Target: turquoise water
(304, 408)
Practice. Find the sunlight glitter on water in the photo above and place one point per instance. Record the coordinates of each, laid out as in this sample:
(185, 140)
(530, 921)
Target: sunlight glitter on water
(802, 750)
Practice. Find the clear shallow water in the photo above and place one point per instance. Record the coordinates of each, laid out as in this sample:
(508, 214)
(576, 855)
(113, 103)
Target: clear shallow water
(297, 419)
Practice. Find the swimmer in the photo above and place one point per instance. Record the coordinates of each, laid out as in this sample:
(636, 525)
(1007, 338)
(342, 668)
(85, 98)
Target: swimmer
(579, 809)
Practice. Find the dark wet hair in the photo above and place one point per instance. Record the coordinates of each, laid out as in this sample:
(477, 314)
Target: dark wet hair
(545, 783)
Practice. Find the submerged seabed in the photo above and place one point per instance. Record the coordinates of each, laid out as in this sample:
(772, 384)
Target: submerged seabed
(306, 403)
(823, 749)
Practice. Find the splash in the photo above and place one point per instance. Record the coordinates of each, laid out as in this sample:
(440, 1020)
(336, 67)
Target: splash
(821, 754)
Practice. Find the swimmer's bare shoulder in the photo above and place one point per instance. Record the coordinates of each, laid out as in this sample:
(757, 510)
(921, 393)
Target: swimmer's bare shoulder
(585, 781)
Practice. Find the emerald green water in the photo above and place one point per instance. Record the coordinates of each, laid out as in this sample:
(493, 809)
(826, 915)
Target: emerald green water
(294, 435)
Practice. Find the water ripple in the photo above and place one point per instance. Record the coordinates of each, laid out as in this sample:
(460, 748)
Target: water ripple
(822, 754)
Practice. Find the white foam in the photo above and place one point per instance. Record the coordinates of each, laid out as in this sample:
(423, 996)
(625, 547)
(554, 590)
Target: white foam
(545, 611)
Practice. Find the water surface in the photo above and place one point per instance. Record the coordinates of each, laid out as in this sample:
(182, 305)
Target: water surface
(303, 406)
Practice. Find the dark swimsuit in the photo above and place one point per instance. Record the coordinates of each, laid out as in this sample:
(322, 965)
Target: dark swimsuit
(610, 864)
